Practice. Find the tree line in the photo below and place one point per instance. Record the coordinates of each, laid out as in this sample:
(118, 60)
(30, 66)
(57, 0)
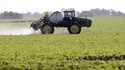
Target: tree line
(10, 15)
(36, 15)
(101, 12)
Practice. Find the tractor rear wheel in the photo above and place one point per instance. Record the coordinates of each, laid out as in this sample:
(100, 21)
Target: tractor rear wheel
(47, 29)
(74, 29)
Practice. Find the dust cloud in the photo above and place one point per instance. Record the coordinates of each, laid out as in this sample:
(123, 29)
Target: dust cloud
(18, 30)
(15, 31)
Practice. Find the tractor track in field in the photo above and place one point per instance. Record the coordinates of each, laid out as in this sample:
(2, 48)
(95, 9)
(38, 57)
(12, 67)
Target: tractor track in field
(99, 57)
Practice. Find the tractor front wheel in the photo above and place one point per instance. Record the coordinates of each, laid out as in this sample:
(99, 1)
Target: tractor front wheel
(47, 29)
(74, 29)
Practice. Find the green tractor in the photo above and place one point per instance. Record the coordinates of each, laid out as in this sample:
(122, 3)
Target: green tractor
(57, 19)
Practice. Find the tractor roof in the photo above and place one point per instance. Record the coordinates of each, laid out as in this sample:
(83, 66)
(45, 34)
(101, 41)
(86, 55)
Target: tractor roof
(69, 11)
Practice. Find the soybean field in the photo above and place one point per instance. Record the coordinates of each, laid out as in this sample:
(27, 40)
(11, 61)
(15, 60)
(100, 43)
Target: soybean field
(100, 47)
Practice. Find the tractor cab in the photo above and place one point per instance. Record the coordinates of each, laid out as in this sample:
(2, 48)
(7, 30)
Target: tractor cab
(68, 15)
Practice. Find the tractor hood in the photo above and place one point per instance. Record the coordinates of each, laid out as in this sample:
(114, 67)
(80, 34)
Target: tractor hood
(86, 21)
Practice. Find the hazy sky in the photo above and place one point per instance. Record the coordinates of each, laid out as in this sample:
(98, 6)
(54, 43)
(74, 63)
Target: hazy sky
(52, 5)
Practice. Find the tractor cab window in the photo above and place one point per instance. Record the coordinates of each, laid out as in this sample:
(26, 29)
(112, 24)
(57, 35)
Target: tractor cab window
(69, 13)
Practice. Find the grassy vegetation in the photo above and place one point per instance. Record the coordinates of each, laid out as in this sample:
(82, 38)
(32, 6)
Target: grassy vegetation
(50, 52)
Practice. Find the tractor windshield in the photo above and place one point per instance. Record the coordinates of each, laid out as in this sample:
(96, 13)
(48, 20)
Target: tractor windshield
(69, 13)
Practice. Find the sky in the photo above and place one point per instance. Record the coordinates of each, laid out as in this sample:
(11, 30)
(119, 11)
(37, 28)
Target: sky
(23, 6)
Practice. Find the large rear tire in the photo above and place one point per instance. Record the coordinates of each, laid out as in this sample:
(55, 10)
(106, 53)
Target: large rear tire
(74, 29)
(47, 29)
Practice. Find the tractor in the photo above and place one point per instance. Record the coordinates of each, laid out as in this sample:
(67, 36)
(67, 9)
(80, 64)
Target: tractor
(58, 19)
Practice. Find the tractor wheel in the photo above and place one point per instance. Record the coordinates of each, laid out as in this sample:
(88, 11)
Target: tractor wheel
(74, 29)
(47, 29)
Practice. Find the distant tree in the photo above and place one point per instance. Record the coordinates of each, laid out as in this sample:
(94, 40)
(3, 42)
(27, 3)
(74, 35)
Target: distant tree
(78, 13)
(101, 12)
(10, 15)
(121, 14)
(46, 13)
(37, 15)
(86, 13)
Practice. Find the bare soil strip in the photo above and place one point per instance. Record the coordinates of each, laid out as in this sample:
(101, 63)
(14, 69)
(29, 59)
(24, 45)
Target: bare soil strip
(100, 57)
